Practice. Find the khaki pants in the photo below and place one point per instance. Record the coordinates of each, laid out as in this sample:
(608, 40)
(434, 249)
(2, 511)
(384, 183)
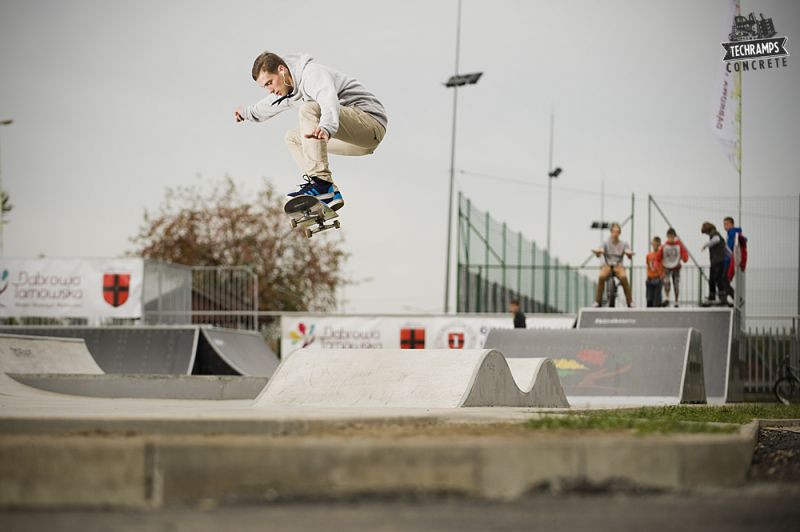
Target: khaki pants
(605, 273)
(359, 134)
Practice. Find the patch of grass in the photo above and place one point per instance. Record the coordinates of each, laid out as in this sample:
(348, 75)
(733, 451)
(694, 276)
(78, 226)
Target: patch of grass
(667, 419)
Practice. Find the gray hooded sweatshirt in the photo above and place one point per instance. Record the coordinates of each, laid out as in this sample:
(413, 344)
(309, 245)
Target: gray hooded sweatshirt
(317, 83)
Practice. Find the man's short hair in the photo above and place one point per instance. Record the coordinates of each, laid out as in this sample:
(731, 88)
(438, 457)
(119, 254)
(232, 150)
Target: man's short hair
(514, 301)
(267, 62)
(657, 239)
(729, 219)
(708, 228)
(671, 232)
(615, 224)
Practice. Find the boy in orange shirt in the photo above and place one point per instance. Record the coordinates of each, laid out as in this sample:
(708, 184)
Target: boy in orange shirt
(655, 274)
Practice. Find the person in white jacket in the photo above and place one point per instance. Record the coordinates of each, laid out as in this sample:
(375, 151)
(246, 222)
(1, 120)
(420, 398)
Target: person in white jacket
(336, 113)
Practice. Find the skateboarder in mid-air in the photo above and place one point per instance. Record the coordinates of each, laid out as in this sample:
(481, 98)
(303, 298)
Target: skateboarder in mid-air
(337, 115)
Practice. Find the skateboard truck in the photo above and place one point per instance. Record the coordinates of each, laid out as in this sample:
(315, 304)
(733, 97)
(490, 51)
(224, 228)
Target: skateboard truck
(315, 223)
(310, 214)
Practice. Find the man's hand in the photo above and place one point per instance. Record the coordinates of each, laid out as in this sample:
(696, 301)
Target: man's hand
(597, 252)
(629, 254)
(239, 114)
(319, 134)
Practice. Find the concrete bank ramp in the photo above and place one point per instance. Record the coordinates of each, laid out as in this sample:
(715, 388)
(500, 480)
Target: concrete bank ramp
(426, 378)
(33, 354)
(614, 367)
(36, 354)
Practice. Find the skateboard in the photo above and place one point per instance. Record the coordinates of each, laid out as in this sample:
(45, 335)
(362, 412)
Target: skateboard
(310, 214)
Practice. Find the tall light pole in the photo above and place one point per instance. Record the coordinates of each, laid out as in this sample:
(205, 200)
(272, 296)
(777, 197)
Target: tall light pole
(2, 191)
(553, 173)
(455, 81)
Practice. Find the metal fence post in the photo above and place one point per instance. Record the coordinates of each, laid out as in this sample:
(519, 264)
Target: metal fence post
(556, 269)
(633, 223)
(519, 265)
(159, 305)
(503, 270)
(255, 300)
(533, 273)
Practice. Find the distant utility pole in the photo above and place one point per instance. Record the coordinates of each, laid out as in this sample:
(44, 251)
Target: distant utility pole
(455, 81)
(552, 173)
(3, 195)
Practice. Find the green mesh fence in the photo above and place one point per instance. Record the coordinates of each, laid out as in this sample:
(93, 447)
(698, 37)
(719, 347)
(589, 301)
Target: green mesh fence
(496, 264)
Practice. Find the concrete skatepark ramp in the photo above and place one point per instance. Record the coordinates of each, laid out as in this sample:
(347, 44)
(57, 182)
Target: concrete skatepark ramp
(245, 352)
(162, 350)
(31, 354)
(614, 367)
(723, 369)
(32, 365)
(435, 378)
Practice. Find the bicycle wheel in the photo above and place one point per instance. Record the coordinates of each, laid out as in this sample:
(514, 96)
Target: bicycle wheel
(612, 292)
(787, 390)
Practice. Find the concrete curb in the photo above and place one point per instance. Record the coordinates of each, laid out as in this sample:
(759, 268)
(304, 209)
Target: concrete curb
(157, 470)
(765, 423)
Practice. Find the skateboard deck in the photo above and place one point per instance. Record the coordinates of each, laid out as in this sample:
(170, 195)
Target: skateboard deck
(310, 214)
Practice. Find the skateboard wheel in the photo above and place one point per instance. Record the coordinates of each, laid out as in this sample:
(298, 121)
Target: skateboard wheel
(294, 223)
(308, 233)
(336, 224)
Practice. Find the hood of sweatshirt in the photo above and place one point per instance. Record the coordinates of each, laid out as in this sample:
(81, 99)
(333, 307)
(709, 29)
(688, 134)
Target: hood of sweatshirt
(297, 64)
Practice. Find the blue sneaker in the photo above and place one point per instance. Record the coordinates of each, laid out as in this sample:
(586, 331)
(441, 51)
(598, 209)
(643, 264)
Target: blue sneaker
(325, 191)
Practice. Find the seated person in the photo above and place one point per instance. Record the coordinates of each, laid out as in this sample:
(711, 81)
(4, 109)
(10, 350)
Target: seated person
(614, 251)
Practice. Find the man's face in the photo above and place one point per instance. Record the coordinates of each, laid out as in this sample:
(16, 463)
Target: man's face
(671, 239)
(727, 224)
(615, 233)
(275, 82)
(656, 245)
(513, 308)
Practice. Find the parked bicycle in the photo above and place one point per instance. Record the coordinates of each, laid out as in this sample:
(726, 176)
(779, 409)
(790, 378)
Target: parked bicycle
(613, 285)
(787, 387)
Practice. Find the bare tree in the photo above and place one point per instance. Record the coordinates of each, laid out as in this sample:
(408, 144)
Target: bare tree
(221, 228)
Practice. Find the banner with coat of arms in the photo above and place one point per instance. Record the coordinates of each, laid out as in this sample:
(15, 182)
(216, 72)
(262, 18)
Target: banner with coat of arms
(402, 332)
(75, 288)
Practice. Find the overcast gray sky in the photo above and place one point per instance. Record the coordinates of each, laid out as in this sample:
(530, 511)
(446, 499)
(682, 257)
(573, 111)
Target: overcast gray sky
(115, 101)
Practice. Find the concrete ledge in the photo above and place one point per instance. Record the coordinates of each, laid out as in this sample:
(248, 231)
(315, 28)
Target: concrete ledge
(163, 470)
(82, 472)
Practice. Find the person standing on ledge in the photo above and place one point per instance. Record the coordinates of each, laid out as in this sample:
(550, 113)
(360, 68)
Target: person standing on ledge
(336, 113)
(519, 317)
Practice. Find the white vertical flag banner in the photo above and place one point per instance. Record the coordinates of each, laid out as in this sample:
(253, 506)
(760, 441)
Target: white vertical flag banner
(726, 120)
